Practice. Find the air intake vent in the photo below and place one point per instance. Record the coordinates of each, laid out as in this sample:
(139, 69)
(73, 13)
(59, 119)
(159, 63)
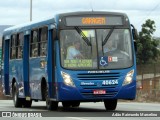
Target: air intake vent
(98, 76)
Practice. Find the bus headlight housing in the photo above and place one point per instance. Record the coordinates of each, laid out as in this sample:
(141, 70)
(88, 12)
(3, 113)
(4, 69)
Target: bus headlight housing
(128, 78)
(67, 79)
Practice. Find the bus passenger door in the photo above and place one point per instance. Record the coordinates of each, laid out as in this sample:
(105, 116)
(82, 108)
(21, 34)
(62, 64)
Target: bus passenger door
(51, 63)
(6, 67)
(26, 65)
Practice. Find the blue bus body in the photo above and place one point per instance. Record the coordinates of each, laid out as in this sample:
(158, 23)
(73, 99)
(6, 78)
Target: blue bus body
(36, 75)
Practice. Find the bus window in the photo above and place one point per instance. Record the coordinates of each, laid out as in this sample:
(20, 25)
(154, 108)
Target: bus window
(34, 44)
(20, 45)
(75, 53)
(13, 47)
(117, 48)
(43, 41)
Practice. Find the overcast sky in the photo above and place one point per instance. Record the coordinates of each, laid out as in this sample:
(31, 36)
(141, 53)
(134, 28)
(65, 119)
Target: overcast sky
(13, 12)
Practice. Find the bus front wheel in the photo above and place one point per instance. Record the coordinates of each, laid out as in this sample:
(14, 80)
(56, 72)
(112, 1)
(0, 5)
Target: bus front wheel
(110, 104)
(51, 105)
(75, 104)
(66, 104)
(27, 104)
(18, 102)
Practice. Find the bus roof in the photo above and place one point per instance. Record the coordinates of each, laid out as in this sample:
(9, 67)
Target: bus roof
(28, 26)
(47, 21)
(91, 13)
(109, 19)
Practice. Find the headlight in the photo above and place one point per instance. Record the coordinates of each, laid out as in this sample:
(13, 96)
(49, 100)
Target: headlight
(129, 78)
(67, 79)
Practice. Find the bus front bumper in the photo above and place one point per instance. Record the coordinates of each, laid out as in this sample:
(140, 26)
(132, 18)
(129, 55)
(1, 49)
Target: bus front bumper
(67, 93)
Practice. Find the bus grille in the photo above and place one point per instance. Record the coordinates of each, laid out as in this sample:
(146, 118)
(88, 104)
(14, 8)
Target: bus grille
(98, 76)
(88, 89)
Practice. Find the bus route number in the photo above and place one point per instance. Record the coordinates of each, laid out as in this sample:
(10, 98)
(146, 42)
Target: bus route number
(110, 82)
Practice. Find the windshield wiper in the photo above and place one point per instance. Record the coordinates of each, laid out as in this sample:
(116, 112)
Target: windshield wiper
(83, 36)
(107, 37)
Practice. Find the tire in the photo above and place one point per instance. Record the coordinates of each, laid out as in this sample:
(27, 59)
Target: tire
(66, 104)
(18, 102)
(75, 104)
(51, 105)
(27, 104)
(110, 104)
(43, 90)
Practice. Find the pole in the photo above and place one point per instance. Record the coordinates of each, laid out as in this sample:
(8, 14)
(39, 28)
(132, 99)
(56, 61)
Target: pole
(30, 10)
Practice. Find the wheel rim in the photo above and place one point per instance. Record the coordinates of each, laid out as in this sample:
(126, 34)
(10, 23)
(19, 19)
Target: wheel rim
(15, 98)
(14, 95)
(47, 102)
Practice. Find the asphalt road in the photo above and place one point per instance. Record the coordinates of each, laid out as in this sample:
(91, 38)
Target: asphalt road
(87, 111)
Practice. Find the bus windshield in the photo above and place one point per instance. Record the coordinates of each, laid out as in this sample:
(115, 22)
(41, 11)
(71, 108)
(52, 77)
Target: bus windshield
(104, 49)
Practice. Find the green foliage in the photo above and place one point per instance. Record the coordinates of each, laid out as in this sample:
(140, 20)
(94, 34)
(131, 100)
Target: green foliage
(146, 44)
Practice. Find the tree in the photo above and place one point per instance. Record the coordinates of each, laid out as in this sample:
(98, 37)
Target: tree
(146, 44)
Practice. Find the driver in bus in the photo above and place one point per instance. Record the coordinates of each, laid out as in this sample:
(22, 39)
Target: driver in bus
(73, 52)
(109, 47)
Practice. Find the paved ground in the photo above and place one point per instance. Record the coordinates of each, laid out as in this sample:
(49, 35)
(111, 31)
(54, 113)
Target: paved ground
(88, 111)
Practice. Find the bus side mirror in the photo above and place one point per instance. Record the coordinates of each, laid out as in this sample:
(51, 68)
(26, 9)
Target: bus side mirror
(135, 34)
(135, 46)
(135, 37)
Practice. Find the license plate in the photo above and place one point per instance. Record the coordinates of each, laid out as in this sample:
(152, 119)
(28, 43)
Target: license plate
(99, 92)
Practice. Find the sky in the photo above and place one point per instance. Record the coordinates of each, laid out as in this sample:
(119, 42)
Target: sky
(14, 12)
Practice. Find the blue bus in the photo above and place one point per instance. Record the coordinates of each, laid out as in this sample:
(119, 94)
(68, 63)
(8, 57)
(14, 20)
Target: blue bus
(71, 58)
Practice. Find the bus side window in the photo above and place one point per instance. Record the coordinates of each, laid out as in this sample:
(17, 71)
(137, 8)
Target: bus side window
(13, 47)
(20, 45)
(43, 41)
(34, 43)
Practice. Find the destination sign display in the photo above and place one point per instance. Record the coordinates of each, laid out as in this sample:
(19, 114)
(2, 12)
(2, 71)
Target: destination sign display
(94, 21)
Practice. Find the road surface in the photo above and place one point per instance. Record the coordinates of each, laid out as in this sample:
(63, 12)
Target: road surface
(87, 111)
